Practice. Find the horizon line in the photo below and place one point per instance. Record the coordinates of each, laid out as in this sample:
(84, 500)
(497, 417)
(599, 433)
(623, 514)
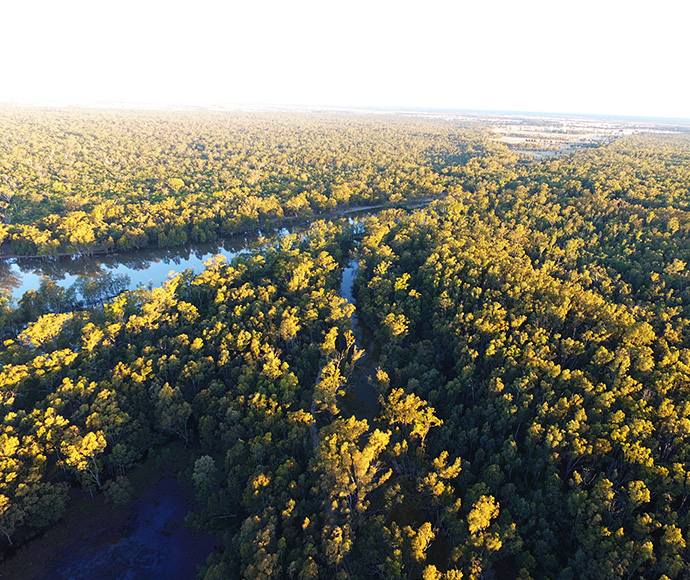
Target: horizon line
(248, 106)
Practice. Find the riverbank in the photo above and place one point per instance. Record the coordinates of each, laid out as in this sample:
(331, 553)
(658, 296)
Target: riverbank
(151, 265)
(275, 223)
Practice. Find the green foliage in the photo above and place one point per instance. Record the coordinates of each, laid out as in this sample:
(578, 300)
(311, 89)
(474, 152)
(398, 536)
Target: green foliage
(97, 181)
(547, 323)
(118, 491)
(534, 363)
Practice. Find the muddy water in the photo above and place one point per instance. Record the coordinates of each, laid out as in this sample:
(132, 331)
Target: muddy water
(361, 399)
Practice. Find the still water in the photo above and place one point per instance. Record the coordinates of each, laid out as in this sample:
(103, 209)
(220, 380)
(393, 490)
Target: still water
(362, 397)
(142, 267)
(149, 265)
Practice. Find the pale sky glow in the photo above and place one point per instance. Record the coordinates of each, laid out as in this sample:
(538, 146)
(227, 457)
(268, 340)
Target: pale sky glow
(603, 57)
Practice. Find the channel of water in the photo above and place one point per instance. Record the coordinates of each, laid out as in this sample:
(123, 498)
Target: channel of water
(361, 398)
(142, 267)
(149, 265)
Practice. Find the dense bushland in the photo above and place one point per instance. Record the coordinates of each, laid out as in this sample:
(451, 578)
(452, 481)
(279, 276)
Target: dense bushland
(533, 418)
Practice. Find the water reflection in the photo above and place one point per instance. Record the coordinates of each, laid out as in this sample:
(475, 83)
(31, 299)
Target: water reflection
(362, 397)
(142, 267)
(9, 279)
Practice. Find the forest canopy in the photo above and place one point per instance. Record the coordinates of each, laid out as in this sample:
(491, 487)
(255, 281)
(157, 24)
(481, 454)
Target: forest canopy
(532, 333)
(83, 182)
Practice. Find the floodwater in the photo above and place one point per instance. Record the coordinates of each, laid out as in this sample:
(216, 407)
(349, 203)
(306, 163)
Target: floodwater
(159, 545)
(149, 539)
(144, 539)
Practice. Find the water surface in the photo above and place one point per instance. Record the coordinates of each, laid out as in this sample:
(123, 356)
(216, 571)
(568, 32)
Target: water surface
(147, 266)
(362, 398)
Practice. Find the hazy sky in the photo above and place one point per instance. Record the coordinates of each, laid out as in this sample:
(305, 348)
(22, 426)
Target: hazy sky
(604, 56)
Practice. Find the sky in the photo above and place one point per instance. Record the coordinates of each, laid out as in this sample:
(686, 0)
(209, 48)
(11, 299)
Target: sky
(606, 57)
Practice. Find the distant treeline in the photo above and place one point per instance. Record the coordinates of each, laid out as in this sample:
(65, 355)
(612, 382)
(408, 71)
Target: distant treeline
(75, 182)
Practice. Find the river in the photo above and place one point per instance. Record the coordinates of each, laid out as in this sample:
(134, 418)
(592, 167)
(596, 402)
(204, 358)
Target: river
(142, 267)
(152, 266)
(149, 265)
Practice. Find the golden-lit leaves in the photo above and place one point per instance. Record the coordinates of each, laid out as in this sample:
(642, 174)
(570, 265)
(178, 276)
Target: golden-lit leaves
(45, 330)
(409, 410)
(347, 469)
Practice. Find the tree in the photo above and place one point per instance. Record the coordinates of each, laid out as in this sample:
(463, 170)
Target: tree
(173, 412)
(410, 411)
(347, 471)
(80, 453)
